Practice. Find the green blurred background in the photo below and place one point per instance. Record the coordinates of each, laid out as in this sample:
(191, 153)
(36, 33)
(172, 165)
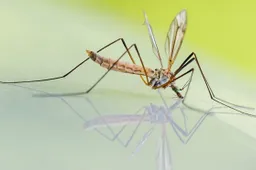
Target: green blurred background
(225, 29)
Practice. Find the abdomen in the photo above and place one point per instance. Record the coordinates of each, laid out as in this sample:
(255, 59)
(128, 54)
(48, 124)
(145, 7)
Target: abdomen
(120, 66)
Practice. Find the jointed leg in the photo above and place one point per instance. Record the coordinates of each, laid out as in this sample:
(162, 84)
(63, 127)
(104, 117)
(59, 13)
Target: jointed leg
(135, 130)
(143, 140)
(127, 50)
(115, 136)
(46, 79)
(212, 95)
(168, 115)
(179, 131)
(73, 69)
(146, 82)
(185, 85)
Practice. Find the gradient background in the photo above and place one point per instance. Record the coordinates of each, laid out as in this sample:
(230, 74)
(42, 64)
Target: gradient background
(41, 39)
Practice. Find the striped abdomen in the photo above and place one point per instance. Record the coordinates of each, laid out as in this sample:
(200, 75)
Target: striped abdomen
(119, 65)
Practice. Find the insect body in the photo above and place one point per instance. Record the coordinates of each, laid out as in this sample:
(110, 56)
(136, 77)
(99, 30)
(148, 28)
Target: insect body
(158, 77)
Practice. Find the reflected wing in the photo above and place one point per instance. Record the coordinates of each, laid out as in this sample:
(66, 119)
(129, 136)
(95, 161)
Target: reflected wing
(152, 39)
(175, 36)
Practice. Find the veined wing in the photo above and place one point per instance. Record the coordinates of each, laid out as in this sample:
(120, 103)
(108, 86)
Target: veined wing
(175, 37)
(153, 40)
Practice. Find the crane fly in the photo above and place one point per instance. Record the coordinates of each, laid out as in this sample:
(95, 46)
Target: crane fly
(159, 78)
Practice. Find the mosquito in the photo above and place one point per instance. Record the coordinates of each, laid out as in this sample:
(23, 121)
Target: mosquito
(159, 78)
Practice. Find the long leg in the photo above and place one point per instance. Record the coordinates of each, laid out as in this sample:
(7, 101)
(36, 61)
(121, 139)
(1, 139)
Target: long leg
(191, 132)
(46, 79)
(135, 130)
(77, 66)
(127, 50)
(143, 140)
(56, 77)
(176, 127)
(115, 136)
(185, 133)
(212, 95)
(83, 119)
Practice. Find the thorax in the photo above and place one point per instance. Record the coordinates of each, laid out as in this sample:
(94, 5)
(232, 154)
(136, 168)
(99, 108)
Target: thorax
(161, 78)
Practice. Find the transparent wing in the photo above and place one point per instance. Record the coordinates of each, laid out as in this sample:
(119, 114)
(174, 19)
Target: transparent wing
(152, 39)
(175, 36)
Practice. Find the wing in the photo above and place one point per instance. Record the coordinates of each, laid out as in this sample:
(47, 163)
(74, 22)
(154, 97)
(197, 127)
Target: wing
(153, 40)
(175, 36)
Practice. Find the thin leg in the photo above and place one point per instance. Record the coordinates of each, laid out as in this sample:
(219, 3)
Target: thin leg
(212, 95)
(116, 135)
(57, 77)
(46, 79)
(143, 140)
(192, 131)
(184, 86)
(62, 99)
(83, 119)
(77, 66)
(177, 129)
(146, 82)
(127, 51)
(183, 65)
(186, 62)
(168, 116)
(135, 130)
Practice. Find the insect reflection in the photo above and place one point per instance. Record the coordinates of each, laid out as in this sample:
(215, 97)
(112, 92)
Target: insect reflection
(155, 115)
(162, 115)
